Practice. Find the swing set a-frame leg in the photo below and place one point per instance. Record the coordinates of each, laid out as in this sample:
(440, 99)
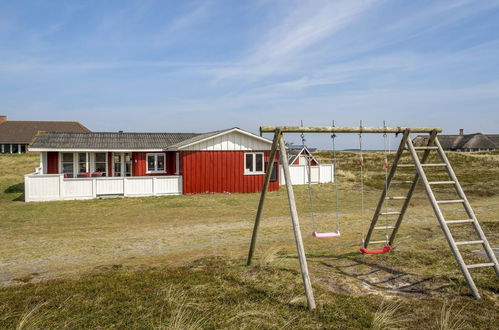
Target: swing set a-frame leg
(414, 183)
(263, 194)
(384, 193)
(407, 199)
(279, 143)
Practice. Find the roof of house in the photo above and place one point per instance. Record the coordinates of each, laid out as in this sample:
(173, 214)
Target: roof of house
(465, 141)
(108, 140)
(300, 147)
(210, 135)
(24, 131)
(293, 153)
(124, 141)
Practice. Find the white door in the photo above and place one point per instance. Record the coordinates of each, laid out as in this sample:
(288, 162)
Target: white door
(314, 174)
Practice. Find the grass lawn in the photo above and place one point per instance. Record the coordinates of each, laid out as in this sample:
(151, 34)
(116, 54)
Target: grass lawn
(178, 261)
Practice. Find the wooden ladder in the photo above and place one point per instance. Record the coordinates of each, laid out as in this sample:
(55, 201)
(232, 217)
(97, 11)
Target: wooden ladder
(420, 164)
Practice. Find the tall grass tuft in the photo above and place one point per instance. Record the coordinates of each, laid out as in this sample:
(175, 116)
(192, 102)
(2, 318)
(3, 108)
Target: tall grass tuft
(32, 318)
(388, 316)
(182, 313)
(450, 319)
(270, 255)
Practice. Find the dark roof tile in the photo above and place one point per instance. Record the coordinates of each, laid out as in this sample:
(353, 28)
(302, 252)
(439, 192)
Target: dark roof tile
(109, 140)
(467, 141)
(25, 131)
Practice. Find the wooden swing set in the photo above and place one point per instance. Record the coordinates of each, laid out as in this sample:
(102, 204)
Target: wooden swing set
(278, 145)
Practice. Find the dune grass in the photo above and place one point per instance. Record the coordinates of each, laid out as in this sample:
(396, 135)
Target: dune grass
(178, 261)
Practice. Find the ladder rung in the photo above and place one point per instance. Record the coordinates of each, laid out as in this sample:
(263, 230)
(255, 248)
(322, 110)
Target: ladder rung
(459, 221)
(451, 201)
(434, 165)
(389, 213)
(395, 198)
(426, 148)
(442, 182)
(487, 264)
(384, 228)
(377, 242)
(401, 182)
(470, 242)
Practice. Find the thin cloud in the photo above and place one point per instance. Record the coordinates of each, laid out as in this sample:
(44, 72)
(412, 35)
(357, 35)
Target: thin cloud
(303, 27)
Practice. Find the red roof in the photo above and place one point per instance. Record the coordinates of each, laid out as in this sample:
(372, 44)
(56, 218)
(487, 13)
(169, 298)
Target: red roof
(25, 131)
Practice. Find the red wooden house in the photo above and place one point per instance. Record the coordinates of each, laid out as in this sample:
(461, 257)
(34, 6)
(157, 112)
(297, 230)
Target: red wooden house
(89, 165)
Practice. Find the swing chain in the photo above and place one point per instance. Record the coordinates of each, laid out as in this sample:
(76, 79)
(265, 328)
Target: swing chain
(386, 165)
(335, 183)
(309, 187)
(361, 163)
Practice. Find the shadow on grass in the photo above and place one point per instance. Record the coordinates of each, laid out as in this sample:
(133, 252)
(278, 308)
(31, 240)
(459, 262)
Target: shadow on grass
(17, 188)
(383, 277)
(378, 276)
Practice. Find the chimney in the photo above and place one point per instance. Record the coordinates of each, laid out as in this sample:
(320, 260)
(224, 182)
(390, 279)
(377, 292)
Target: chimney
(3, 119)
(461, 131)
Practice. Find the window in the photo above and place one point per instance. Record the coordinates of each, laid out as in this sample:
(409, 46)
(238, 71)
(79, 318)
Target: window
(156, 163)
(67, 163)
(82, 162)
(100, 163)
(122, 164)
(128, 163)
(253, 163)
(117, 164)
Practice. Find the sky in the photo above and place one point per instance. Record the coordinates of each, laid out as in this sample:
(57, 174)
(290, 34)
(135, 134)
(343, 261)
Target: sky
(198, 66)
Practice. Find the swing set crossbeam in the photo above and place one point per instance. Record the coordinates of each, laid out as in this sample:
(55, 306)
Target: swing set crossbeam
(347, 129)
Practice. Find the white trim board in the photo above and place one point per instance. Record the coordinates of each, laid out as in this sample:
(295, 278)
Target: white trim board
(290, 162)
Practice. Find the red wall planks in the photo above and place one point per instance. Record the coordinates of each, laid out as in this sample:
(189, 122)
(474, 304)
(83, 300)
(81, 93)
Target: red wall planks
(220, 171)
(52, 162)
(110, 163)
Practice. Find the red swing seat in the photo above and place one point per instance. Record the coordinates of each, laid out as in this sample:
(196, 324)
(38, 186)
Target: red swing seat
(332, 234)
(386, 249)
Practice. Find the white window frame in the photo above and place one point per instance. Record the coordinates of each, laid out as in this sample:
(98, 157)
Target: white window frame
(76, 162)
(155, 154)
(93, 162)
(122, 163)
(60, 162)
(246, 172)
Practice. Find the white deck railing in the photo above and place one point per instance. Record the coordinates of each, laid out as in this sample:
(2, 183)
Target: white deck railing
(52, 187)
